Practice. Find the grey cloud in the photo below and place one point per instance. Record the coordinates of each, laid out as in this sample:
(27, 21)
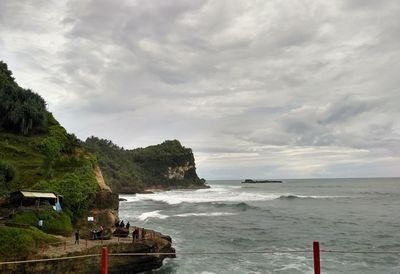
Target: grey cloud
(260, 85)
(344, 109)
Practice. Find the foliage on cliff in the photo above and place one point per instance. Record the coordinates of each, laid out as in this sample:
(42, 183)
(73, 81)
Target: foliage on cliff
(137, 169)
(20, 242)
(21, 110)
(53, 222)
(36, 152)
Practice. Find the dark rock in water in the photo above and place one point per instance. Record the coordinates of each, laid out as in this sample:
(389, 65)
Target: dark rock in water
(250, 181)
(122, 199)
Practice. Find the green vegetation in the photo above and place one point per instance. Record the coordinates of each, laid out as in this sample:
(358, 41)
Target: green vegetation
(21, 110)
(137, 169)
(7, 174)
(53, 222)
(21, 242)
(36, 152)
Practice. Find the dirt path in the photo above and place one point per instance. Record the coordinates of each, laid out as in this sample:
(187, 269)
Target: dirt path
(68, 245)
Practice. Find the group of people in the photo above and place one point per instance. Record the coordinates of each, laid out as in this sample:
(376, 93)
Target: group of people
(138, 234)
(122, 224)
(96, 234)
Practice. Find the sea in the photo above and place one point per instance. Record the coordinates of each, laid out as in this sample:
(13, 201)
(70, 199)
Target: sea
(346, 215)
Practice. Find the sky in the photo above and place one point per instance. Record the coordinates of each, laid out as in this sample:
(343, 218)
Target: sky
(258, 89)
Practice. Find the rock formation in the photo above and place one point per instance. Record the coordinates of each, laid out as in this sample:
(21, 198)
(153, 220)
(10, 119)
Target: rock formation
(117, 264)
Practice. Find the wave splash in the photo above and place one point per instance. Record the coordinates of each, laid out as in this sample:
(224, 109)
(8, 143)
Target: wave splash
(152, 214)
(157, 215)
(216, 194)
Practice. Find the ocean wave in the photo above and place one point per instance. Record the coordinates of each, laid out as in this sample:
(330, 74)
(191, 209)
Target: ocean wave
(293, 196)
(157, 215)
(224, 195)
(241, 206)
(152, 214)
(219, 197)
(205, 214)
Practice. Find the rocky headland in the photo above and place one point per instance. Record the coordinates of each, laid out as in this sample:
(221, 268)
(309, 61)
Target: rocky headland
(165, 166)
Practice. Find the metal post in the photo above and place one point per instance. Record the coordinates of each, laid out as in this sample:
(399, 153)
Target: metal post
(104, 260)
(317, 265)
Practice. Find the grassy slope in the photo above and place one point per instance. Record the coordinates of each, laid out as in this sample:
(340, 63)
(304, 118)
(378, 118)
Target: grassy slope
(22, 242)
(23, 154)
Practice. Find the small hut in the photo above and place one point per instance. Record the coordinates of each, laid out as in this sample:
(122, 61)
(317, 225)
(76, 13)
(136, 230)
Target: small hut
(29, 198)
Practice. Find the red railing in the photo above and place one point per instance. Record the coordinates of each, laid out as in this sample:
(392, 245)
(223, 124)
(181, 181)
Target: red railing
(315, 250)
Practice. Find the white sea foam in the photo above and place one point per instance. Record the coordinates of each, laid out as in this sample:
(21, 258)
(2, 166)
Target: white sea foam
(203, 196)
(207, 214)
(294, 196)
(152, 214)
(157, 215)
(230, 194)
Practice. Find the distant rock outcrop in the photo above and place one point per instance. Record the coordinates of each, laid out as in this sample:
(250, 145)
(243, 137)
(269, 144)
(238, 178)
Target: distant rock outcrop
(165, 166)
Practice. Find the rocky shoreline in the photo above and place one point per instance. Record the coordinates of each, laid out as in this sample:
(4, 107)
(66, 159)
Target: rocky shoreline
(169, 188)
(157, 243)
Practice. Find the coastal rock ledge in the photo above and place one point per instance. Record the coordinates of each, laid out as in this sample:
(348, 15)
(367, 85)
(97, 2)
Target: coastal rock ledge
(116, 264)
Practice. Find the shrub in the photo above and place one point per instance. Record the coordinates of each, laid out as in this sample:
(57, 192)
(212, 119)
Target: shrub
(53, 222)
(21, 110)
(21, 242)
(7, 174)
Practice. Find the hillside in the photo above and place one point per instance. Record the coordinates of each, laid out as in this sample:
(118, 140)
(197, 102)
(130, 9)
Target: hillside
(37, 153)
(164, 166)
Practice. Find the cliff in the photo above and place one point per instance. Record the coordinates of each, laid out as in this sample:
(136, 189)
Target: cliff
(165, 166)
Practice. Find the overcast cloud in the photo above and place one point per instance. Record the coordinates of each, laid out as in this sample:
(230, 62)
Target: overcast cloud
(259, 89)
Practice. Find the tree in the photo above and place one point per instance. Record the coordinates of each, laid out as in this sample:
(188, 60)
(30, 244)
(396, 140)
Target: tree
(21, 110)
(7, 174)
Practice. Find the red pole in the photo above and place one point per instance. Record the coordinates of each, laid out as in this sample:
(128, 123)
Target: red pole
(104, 260)
(317, 266)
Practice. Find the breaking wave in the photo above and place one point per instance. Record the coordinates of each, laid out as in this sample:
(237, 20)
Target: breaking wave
(241, 206)
(206, 214)
(157, 215)
(152, 214)
(293, 197)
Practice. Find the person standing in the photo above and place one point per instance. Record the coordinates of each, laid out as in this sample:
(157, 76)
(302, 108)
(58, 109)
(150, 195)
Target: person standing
(143, 233)
(77, 237)
(133, 235)
(40, 224)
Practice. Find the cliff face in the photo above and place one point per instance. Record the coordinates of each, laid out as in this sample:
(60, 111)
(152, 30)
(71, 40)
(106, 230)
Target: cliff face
(164, 166)
(178, 172)
(104, 209)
